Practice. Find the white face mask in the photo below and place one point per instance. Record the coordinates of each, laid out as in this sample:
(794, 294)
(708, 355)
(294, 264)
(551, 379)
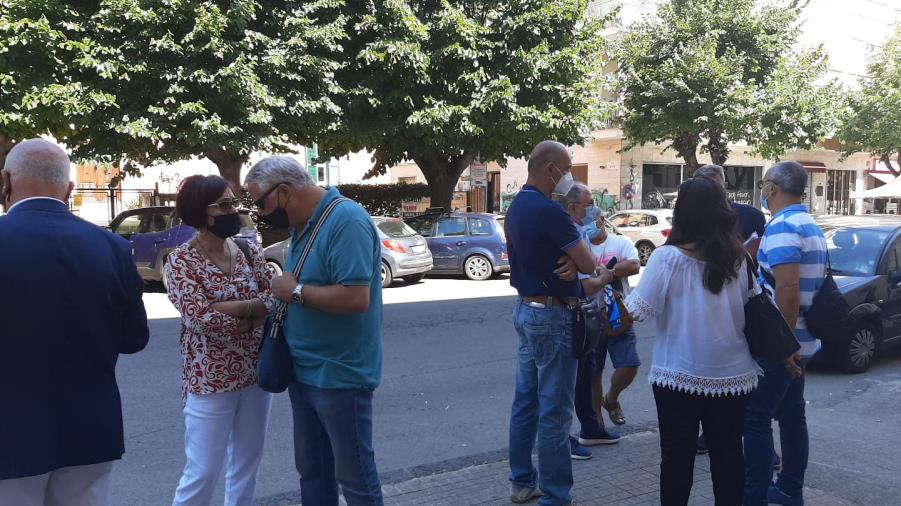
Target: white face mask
(564, 184)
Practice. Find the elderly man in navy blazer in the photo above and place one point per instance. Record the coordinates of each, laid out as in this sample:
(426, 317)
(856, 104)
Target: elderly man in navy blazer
(70, 303)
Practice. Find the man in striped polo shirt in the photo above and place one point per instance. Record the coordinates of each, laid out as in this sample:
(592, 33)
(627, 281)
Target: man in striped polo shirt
(793, 251)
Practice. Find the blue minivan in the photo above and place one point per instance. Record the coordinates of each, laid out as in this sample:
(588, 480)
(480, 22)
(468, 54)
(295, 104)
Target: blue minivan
(472, 244)
(156, 231)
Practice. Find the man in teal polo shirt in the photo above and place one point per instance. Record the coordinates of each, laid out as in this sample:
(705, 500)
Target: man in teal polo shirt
(333, 328)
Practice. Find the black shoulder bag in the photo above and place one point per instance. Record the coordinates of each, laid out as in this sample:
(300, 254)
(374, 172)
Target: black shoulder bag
(768, 334)
(829, 313)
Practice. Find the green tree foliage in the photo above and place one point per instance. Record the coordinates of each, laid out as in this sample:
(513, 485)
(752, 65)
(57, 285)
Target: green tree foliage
(872, 119)
(446, 82)
(46, 52)
(215, 79)
(706, 72)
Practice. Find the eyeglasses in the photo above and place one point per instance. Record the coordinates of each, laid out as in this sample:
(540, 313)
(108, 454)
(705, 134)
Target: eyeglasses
(762, 182)
(226, 205)
(259, 203)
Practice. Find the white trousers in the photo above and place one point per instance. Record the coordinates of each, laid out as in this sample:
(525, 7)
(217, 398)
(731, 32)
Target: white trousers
(230, 424)
(67, 486)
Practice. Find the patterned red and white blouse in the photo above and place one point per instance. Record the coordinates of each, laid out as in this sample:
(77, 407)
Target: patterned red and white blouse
(215, 357)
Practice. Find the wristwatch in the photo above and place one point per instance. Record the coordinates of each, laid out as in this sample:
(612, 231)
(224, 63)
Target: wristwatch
(297, 295)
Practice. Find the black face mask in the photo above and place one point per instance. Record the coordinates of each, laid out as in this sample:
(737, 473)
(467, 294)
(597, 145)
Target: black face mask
(277, 219)
(226, 225)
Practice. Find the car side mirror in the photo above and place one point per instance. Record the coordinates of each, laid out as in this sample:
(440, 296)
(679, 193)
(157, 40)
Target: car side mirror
(894, 277)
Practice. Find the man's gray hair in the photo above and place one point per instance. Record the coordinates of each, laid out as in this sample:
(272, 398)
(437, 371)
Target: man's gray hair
(710, 170)
(789, 176)
(574, 194)
(39, 159)
(278, 169)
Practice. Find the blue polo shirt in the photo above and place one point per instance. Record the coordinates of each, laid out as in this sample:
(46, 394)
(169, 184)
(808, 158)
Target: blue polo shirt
(539, 231)
(338, 350)
(750, 220)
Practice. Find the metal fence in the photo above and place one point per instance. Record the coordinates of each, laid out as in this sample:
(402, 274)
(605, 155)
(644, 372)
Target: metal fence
(102, 205)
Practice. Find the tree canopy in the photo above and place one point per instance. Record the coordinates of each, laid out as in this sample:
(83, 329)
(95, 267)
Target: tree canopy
(705, 73)
(872, 119)
(446, 82)
(210, 78)
(46, 52)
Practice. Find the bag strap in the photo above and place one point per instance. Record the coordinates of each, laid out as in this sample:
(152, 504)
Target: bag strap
(245, 248)
(283, 307)
(749, 262)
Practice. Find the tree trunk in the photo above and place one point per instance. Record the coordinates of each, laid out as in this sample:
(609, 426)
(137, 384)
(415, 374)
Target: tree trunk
(6, 145)
(442, 176)
(888, 163)
(229, 164)
(686, 146)
(719, 152)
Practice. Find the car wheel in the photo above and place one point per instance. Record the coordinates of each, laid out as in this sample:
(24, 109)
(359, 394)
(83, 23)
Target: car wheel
(414, 278)
(276, 268)
(387, 278)
(644, 252)
(477, 268)
(860, 350)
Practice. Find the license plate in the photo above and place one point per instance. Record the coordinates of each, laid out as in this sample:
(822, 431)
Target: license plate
(418, 248)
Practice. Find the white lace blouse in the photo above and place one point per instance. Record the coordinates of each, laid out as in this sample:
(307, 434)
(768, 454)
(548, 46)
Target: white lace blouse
(700, 345)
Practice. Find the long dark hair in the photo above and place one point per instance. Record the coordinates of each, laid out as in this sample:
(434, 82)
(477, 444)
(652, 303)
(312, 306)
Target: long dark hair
(702, 216)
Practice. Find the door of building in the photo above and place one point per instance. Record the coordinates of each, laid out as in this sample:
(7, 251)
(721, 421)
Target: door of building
(839, 184)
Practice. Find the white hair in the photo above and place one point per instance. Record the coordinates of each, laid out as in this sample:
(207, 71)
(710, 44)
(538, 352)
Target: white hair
(574, 194)
(278, 169)
(38, 159)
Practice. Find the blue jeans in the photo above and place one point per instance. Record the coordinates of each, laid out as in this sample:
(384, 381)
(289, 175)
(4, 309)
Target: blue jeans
(543, 405)
(333, 445)
(778, 396)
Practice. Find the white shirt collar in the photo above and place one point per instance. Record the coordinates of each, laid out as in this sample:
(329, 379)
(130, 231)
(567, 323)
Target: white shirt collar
(33, 198)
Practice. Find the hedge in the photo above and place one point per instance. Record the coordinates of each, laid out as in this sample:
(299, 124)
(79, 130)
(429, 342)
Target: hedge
(383, 199)
(377, 199)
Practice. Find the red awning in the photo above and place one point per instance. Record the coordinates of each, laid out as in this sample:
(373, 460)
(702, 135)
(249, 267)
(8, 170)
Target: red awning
(819, 167)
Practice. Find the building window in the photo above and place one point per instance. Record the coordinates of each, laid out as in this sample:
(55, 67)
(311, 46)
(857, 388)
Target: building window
(839, 184)
(740, 185)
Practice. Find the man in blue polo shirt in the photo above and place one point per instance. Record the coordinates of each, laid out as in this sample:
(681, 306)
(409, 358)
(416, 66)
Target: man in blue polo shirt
(546, 251)
(793, 255)
(333, 328)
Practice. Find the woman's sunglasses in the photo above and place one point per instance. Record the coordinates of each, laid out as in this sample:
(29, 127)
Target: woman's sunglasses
(226, 205)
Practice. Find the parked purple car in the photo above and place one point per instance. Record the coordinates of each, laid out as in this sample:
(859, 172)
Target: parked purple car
(155, 231)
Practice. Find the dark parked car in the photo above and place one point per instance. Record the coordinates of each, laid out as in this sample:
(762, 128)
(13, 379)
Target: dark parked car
(155, 231)
(865, 253)
(404, 253)
(472, 244)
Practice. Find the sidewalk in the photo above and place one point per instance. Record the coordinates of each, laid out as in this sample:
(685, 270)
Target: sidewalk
(622, 474)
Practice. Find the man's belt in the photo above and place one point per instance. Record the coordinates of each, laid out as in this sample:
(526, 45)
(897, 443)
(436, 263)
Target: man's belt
(550, 301)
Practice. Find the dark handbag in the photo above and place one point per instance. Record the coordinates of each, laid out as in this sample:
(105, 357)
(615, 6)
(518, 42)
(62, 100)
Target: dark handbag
(275, 367)
(828, 315)
(587, 322)
(768, 334)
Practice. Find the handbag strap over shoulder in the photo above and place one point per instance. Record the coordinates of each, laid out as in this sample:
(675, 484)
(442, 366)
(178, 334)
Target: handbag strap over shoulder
(283, 307)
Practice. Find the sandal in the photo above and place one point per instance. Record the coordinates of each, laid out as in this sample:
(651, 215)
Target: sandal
(615, 411)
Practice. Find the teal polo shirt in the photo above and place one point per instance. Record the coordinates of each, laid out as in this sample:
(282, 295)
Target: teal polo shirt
(338, 350)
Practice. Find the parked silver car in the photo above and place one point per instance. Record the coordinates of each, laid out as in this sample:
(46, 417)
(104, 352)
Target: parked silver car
(405, 254)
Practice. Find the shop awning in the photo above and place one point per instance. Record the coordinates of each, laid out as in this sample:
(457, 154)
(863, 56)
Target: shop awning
(892, 189)
(885, 177)
(811, 167)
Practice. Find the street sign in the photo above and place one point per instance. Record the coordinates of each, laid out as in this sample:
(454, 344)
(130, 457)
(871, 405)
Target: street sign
(478, 174)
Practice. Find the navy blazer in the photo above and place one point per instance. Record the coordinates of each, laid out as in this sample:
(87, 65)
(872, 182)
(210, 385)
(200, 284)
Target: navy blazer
(70, 303)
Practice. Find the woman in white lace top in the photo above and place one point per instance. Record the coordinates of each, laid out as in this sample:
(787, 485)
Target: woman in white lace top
(695, 287)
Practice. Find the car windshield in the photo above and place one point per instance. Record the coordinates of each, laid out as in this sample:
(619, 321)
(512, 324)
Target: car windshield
(855, 251)
(396, 228)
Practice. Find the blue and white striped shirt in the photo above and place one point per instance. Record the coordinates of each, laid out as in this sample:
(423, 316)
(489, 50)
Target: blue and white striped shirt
(792, 237)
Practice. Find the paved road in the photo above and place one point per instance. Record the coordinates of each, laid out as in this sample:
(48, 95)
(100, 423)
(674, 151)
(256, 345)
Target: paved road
(445, 397)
